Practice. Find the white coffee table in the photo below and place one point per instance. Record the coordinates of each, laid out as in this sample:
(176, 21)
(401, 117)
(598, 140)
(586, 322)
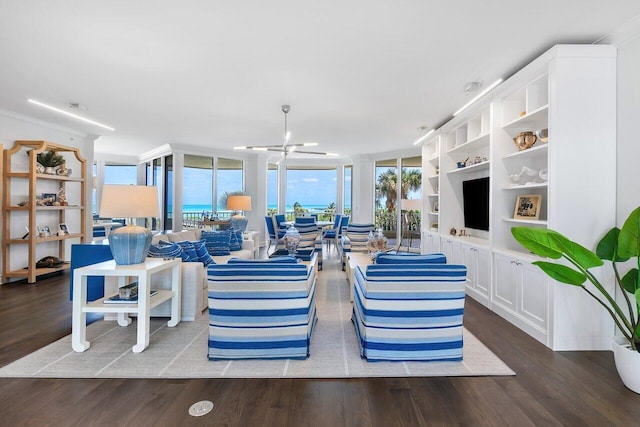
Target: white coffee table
(142, 308)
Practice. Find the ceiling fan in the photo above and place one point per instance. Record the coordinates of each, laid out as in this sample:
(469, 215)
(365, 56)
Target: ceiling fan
(285, 148)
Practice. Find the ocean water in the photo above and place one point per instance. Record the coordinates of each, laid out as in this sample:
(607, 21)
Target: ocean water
(207, 208)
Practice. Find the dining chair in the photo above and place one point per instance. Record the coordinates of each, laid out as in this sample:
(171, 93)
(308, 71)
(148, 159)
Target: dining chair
(329, 235)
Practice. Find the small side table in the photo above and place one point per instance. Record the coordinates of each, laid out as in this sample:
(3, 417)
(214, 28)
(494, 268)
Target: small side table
(142, 308)
(255, 236)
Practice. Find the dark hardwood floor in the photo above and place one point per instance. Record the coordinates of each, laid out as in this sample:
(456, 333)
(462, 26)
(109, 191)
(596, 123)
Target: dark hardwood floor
(550, 388)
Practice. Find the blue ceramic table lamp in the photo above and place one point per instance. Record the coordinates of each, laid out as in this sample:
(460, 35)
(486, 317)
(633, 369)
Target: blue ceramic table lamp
(239, 204)
(130, 244)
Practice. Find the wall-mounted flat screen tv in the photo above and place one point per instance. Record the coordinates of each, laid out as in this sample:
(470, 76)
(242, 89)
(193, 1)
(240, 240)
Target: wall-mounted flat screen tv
(475, 195)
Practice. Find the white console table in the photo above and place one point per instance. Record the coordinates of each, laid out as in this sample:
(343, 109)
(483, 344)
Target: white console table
(142, 308)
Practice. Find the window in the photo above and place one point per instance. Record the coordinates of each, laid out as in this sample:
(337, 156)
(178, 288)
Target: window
(411, 189)
(197, 187)
(386, 196)
(229, 180)
(120, 174)
(168, 193)
(311, 190)
(347, 188)
(272, 189)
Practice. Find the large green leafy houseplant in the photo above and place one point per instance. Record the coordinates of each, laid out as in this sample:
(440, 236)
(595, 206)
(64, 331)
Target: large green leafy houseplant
(618, 245)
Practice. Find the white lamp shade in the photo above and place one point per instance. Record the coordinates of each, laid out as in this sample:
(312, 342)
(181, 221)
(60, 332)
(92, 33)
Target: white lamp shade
(129, 201)
(239, 203)
(411, 204)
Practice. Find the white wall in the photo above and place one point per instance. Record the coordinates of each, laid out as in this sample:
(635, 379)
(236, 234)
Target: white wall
(14, 127)
(627, 40)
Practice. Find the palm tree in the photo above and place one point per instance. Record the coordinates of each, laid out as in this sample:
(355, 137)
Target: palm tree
(387, 185)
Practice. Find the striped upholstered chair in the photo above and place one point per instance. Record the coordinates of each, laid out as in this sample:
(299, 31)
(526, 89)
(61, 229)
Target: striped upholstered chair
(261, 309)
(354, 239)
(409, 309)
(311, 238)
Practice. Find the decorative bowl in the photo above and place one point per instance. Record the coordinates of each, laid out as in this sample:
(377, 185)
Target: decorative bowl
(525, 140)
(543, 135)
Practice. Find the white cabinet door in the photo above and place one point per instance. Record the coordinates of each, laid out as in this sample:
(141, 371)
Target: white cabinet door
(452, 250)
(507, 279)
(431, 243)
(483, 276)
(470, 259)
(534, 291)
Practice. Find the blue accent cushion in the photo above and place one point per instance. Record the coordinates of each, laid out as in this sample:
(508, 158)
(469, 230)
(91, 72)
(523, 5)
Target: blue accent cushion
(235, 239)
(217, 242)
(165, 250)
(409, 258)
(201, 251)
(287, 259)
(188, 251)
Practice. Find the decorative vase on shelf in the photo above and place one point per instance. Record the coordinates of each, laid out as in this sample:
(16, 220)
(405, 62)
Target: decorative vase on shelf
(50, 170)
(525, 140)
(291, 239)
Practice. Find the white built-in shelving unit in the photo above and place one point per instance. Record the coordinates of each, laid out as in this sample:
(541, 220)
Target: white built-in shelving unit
(571, 91)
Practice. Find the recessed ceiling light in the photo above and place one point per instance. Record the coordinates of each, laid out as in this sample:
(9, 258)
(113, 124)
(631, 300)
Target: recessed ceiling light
(66, 113)
(480, 95)
(423, 137)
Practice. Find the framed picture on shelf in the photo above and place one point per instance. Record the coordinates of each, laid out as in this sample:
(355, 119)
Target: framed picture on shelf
(63, 228)
(527, 207)
(49, 198)
(44, 231)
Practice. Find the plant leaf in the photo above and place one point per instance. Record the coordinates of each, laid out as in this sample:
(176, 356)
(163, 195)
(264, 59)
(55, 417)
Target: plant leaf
(630, 281)
(537, 241)
(578, 253)
(637, 295)
(562, 273)
(628, 241)
(608, 246)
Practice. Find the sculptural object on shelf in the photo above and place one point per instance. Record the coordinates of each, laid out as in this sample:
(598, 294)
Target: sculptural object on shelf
(524, 173)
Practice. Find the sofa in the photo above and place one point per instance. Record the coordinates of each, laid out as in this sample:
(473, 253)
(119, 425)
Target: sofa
(261, 309)
(194, 275)
(409, 308)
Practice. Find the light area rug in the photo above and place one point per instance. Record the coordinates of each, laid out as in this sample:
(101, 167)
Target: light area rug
(181, 352)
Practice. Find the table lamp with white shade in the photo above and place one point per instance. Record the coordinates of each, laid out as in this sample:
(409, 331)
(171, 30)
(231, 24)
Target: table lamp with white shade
(238, 203)
(129, 244)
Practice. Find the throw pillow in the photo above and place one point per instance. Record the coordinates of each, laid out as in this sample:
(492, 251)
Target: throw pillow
(201, 251)
(411, 259)
(235, 240)
(286, 259)
(165, 250)
(189, 252)
(217, 242)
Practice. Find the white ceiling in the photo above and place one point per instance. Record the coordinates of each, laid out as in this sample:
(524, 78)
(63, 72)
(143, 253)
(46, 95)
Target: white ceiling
(361, 75)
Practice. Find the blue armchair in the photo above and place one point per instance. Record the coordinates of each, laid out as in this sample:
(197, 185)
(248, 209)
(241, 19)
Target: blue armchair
(274, 238)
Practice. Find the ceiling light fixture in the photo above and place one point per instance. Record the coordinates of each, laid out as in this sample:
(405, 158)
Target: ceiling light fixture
(66, 113)
(285, 148)
(480, 95)
(423, 137)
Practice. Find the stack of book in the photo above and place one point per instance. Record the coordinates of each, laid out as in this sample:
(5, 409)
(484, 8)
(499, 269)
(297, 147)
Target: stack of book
(126, 295)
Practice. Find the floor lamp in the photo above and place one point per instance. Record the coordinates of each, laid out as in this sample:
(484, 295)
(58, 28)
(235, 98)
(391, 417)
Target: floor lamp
(409, 205)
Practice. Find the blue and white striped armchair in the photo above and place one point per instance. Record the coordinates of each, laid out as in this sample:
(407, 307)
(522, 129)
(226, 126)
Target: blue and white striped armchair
(410, 308)
(261, 309)
(311, 238)
(354, 239)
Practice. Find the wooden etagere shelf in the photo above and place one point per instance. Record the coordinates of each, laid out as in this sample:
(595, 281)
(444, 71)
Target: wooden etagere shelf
(23, 185)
